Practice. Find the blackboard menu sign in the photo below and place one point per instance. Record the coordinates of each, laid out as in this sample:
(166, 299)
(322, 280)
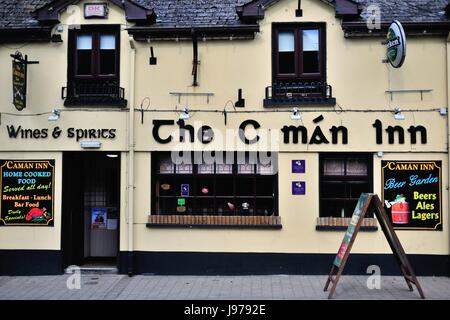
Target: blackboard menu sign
(27, 192)
(412, 194)
(19, 70)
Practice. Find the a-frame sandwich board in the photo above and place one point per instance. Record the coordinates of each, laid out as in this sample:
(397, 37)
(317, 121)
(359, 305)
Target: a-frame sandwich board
(370, 201)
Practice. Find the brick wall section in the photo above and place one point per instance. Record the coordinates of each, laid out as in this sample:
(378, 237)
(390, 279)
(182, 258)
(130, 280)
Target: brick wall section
(214, 220)
(344, 222)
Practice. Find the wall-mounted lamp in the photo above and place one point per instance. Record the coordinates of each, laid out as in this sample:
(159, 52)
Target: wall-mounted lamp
(443, 111)
(56, 38)
(184, 115)
(296, 114)
(153, 59)
(91, 144)
(398, 115)
(380, 154)
(56, 113)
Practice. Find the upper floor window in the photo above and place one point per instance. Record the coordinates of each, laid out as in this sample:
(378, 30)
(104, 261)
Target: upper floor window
(299, 52)
(298, 65)
(93, 67)
(96, 55)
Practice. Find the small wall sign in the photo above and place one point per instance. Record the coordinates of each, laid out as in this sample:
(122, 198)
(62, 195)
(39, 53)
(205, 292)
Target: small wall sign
(99, 218)
(185, 190)
(298, 187)
(95, 10)
(396, 44)
(298, 166)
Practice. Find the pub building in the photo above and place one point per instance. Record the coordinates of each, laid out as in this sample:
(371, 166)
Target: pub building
(222, 137)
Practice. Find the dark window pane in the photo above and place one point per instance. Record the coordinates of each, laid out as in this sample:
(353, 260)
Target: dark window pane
(310, 62)
(244, 186)
(358, 187)
(224, 185)
(265, 186)
(107, 54)
(107, 62)
(333, 189)
(311, 55)
(286, 62)
(286, 52)
(84, 62)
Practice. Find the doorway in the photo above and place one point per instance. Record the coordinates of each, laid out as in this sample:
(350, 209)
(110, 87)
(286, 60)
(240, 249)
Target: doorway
(90, 209)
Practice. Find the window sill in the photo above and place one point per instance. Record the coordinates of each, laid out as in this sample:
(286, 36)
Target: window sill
(235, 222)
(341, 224)
(95, 101)
(295, 102)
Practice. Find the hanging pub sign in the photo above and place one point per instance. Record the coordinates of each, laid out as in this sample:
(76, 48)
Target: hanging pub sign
(412, 194)
(396, 44)
(27, 192)
(19, 79)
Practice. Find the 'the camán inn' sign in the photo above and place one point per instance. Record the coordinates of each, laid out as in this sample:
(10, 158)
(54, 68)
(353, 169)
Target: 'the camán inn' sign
(295, 134)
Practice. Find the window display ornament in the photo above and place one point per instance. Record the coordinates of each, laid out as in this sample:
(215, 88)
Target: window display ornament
(165, 186)
(205, 190)
(231, 206)
(245, 206)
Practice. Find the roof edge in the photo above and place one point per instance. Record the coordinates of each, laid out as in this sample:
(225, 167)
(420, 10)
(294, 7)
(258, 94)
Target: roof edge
(49, 14)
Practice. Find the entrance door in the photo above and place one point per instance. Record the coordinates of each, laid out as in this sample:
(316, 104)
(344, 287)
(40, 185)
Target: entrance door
(91, 202)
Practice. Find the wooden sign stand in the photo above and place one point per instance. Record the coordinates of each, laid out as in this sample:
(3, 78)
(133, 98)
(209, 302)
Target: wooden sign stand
(365, 202)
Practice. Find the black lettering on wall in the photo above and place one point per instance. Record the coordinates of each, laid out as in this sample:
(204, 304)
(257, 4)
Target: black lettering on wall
(318, 137)
(295, 131)
(13, 132)
(206, 134)
(183, 127)
(156, 125)
(378, 129)
(413, 133)
(335, 134)
(242, 127)
(391, 134)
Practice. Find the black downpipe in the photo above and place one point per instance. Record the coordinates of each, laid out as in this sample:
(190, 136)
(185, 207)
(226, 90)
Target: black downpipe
(130, 264)
(195, 61)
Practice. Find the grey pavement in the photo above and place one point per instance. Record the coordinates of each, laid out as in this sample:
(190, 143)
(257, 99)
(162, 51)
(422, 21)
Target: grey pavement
(273, 287)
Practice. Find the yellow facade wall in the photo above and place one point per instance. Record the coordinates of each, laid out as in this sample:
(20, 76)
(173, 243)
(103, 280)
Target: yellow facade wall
(354, 68)
(298, 217)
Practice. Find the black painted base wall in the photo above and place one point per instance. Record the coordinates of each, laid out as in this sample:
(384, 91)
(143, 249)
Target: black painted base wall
(30, 262)
(199, 263)
(49, 262)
